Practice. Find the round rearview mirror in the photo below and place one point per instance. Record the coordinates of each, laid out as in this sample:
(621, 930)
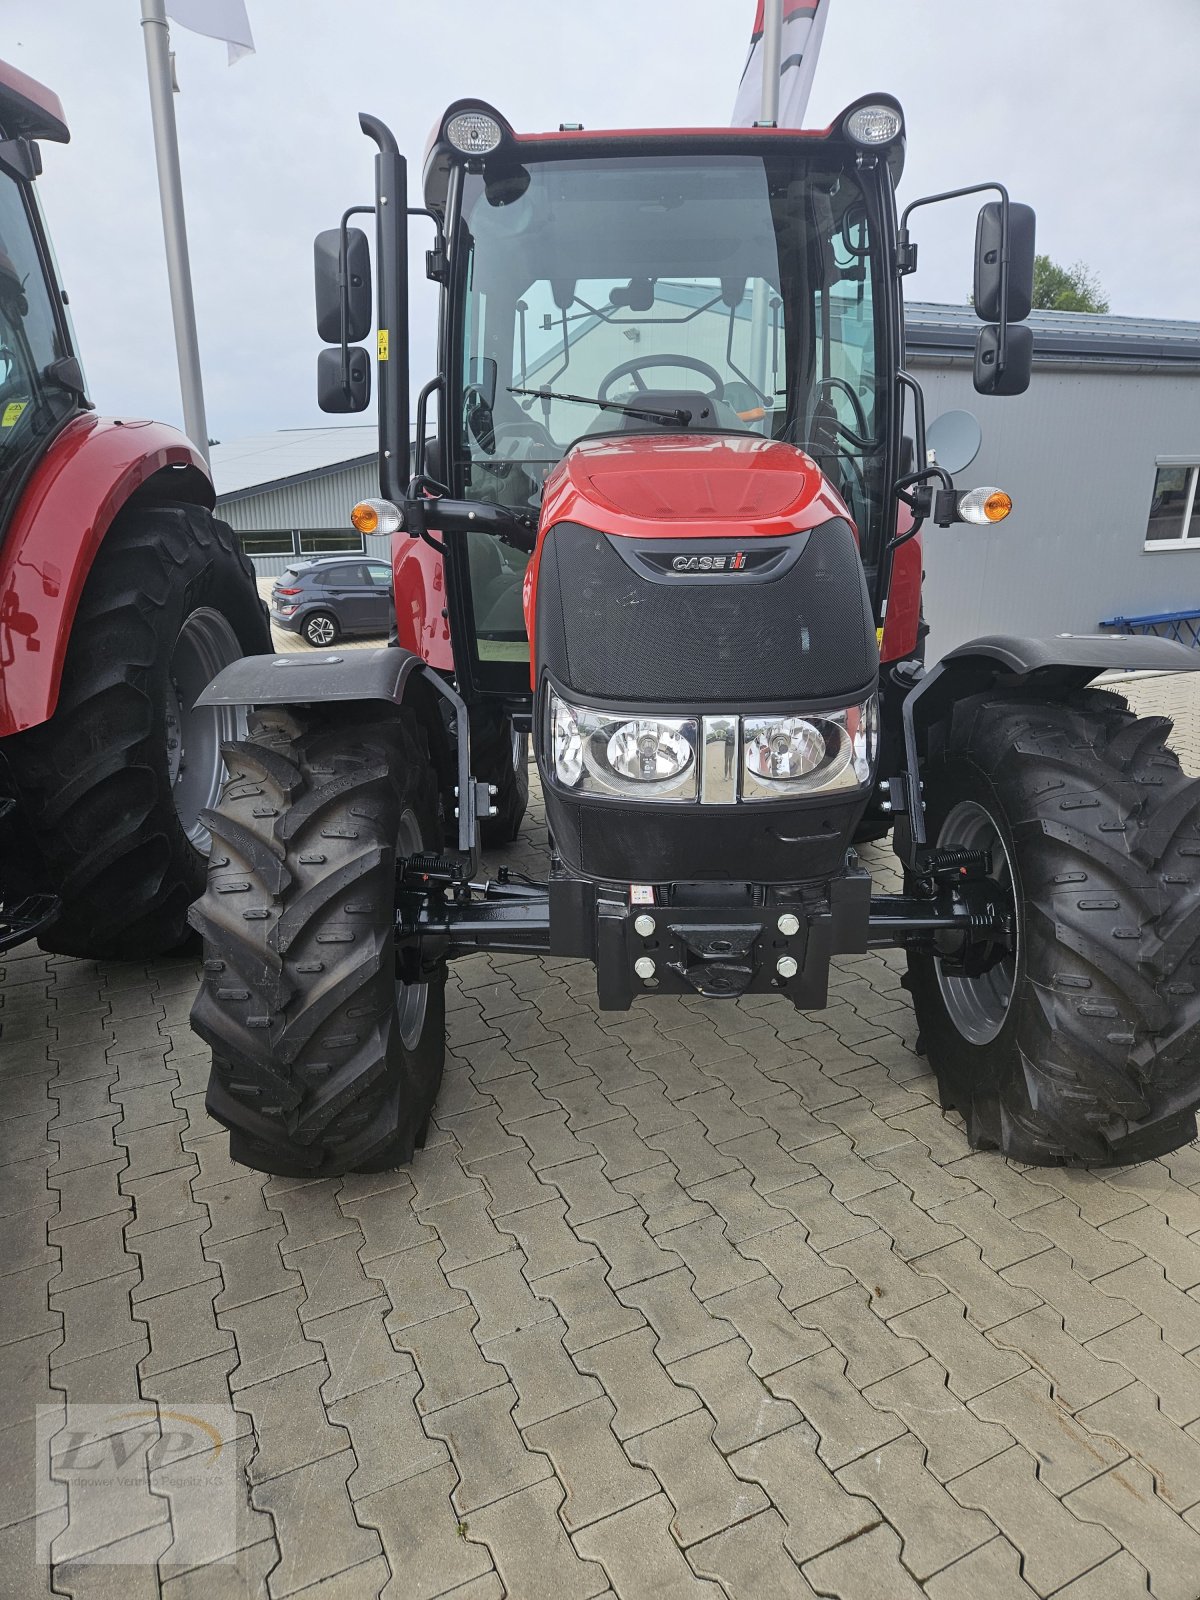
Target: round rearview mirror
(953, 441)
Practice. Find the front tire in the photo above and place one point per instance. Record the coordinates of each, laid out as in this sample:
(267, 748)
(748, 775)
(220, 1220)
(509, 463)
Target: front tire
(115, 784)
(323, 1062)
(1082, 1046)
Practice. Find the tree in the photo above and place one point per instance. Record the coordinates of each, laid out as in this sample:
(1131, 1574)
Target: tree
(1074, 288)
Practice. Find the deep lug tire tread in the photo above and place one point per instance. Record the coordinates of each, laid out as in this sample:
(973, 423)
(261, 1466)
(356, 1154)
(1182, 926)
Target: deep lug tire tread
(95, 777)
(298, 1001)
(1098, 1062)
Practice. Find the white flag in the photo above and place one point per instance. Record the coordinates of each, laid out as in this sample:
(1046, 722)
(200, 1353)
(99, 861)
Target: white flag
(803, 30)
(217, 19)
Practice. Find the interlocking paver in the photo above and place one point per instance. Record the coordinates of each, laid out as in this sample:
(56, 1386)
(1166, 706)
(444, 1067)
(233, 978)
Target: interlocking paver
(500, 1293)
(544, 1377)
(847, 1426)
(873, 1350)
(1091, 1251)
(94, 1318)
(80, 1196)
(269, 1338)
(1118, 1578)
(357, 1350)
(706, 1495)
(634, 1379)
(632, 1255)
(667, 1204)
(1084, 1307)
(599, 1477)
(1123, 1500)
(1133, 1418)
(511, 1183)
(447, 1355)
(251, 1268)
(933, 1528)
(171, 1259)
(1078, 1372)
(343, 1542)
(533, 1554)
(290, 1422)
(385, 1433)
(587, 1304)
(954, 1437)
(1067, 1452)
(973, 1364)
(819, 1512)
(988, 1297)
(1140, 1349)
(1143, 1286)
(1148, 1232)
(994, 1570)
(801, 1273)
(637, 1550)
(867, 1568)
(912, 1230)
(487, 1447)
(750, 1561)
(1056, 1545)
(682, 1324)
(745, 1408)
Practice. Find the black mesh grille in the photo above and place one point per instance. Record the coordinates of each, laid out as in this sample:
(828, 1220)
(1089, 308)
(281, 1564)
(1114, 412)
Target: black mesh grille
(607, 632)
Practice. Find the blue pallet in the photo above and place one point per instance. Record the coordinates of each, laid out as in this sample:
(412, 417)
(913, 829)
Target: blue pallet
(1181, 625)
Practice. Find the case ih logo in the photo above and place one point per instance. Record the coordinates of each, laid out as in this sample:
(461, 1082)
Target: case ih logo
(729, 563)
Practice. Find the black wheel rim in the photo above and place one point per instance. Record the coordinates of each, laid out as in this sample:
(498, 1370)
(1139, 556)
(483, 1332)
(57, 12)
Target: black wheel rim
(979, 1007)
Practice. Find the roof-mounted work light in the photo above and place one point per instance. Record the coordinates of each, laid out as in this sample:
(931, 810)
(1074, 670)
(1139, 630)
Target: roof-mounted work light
(474, 133)
(873, 126)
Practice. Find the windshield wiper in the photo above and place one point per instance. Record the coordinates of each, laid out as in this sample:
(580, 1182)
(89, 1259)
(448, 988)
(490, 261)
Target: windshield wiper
(683, 418)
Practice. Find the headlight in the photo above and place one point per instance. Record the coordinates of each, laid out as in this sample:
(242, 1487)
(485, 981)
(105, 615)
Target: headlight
(788, 756)
(612, 753)
(785, 757)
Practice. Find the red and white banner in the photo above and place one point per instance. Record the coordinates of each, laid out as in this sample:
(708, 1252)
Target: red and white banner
(216, 19)
(803, 30)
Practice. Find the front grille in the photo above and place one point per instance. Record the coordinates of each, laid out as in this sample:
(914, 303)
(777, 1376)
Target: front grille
(611, 633)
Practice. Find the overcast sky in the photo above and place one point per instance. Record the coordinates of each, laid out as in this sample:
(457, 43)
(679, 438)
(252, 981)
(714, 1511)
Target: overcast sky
(1087, 109)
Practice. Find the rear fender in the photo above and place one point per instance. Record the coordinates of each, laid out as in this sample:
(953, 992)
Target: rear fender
(1053, 667)
(89, 471)
(387, 676)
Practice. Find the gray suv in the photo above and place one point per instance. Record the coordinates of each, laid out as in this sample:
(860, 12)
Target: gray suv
(337, 595)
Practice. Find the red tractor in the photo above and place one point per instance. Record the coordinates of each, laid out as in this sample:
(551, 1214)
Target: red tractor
(670, 515)
(120, 598)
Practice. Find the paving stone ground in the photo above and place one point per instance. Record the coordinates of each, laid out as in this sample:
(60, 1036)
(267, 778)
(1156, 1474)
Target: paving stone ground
(704, 1300)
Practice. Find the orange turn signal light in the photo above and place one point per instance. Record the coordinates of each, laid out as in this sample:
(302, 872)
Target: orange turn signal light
(365, 517)
(997, 506)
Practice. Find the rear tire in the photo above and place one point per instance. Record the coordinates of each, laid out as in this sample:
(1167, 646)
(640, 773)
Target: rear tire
(500, 757)
(320, 630)
(322, 1062)
(1085, 1048)
(114, 784)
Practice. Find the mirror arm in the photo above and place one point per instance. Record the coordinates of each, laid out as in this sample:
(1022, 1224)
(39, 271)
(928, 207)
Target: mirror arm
(463, 516)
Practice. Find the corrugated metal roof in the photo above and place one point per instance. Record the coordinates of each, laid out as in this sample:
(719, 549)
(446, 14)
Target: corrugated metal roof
(1073, 335)
(247, 466)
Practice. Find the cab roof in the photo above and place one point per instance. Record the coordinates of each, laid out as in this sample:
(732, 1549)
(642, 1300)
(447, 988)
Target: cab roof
(580, 143)
(28, 110)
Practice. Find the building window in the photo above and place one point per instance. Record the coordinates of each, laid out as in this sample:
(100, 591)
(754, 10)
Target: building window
(267, 544)
(1174, 520)
(329, 541)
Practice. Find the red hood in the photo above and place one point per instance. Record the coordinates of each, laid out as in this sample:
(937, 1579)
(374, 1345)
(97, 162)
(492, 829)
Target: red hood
(720, 486)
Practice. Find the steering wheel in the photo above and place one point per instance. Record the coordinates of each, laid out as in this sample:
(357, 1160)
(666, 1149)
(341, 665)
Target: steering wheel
(632, 369)
(863, 439)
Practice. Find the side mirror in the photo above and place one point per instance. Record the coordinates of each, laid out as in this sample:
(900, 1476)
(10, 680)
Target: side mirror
(327, 264)
(954, 440)
(1012, 375)
(1022, 233)
(354, 394)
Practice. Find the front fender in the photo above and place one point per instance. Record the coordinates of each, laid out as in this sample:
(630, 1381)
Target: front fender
(88, 472)
(1052, 666)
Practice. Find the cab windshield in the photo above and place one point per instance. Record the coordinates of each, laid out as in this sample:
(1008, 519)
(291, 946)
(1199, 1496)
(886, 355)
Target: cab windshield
(32, 402)
(710, 292)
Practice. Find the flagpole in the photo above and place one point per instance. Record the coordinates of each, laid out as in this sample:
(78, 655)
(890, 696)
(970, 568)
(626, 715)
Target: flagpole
(170, 191)
(772, 59)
